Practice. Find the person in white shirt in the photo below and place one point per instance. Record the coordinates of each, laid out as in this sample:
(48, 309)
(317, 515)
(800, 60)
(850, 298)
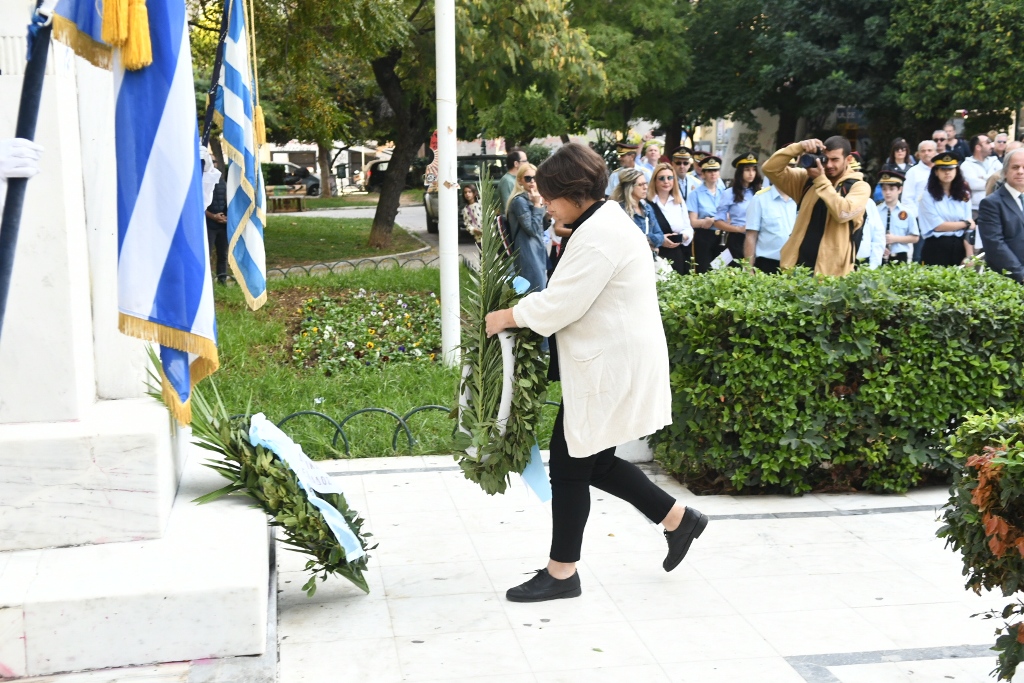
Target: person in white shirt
(652, 153)
(627, 159)
(916, 183)
(977, 169)
(670, 211)
(872, 240)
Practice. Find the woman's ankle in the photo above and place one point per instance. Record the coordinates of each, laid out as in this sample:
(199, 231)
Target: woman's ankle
(561, 570)
(674, 517)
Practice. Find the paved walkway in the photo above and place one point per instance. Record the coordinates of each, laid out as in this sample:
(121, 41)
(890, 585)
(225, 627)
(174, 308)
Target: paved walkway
(845, 588)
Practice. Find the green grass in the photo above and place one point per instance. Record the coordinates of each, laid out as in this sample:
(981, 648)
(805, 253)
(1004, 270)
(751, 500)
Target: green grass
(257, 374)
(292, 240)
(409, 197)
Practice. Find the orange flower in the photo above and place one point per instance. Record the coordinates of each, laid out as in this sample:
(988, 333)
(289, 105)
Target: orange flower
(1020, 632)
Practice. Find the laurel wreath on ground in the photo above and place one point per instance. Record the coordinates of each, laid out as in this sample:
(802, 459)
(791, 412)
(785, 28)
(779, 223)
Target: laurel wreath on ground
(489, 455)
(259, 474)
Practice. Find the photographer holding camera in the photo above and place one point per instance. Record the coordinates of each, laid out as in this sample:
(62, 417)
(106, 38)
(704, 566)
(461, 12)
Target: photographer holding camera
(831, 198)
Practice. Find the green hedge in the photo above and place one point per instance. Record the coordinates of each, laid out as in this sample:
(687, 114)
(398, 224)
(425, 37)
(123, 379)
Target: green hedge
(790, 383)
(984, 520)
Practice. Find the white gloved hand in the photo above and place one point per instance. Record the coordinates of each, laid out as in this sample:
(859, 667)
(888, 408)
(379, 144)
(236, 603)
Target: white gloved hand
(19, 158)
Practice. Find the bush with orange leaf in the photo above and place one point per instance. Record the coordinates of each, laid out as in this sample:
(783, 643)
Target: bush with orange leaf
(984, 520)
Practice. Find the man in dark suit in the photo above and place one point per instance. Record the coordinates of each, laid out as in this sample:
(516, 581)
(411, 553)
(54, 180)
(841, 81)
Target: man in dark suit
(1001, 220)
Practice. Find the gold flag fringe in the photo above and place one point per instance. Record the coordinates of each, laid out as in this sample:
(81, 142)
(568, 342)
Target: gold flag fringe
(126, 25)
(93, 51)
(115, 22)
(259, 126)
(138, 50)
(203, 366)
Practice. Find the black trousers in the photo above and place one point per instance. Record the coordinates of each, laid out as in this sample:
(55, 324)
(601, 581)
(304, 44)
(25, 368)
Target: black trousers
(706, 246)
(217, 235)
(571, 479)
(734, 242)
(679, 257)
(766, 265)
(943, 251)
(896, 258)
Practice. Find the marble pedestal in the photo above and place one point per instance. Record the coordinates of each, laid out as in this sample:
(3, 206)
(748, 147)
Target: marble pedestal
(200, 591)
(110, 476)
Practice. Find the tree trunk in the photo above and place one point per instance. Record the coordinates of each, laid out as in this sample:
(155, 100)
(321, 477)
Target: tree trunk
(410, 124)
(565, 139)
(326, 181)
(787, 127)
(673, 135)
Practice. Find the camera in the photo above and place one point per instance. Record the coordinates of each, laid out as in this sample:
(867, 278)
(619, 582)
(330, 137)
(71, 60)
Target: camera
(808, 160)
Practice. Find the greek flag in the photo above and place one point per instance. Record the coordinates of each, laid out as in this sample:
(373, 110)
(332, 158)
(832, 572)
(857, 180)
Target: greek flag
(79, 25)
(235, 104)
(165, 291)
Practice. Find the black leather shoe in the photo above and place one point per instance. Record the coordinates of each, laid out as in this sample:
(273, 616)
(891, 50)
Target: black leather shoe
(679, 540)
(543, 586)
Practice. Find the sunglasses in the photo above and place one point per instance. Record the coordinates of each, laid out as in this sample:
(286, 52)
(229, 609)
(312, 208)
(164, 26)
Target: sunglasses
(938, 139)
(528, 178)
(681, 163)
(665, 178)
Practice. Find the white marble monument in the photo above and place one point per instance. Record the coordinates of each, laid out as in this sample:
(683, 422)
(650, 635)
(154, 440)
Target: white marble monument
(104, 560)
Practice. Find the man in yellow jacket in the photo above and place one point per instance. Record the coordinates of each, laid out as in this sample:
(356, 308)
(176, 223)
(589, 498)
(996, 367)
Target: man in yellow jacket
(831, 198)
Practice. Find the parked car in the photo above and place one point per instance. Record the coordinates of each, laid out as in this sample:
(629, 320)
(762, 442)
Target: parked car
(469, 169)
(300, 175)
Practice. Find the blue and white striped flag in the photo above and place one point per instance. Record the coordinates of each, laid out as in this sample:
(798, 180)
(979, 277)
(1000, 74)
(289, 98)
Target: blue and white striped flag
(235, 104)
(165, 291)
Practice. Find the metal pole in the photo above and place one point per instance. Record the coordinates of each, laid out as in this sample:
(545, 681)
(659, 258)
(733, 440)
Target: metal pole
(28, 115)
(447, 180)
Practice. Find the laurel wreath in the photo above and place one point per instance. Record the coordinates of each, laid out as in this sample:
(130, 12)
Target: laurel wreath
(259, 474)
(493, 450)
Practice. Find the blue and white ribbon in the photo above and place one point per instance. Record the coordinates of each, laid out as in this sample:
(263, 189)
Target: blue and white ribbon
(263, 432)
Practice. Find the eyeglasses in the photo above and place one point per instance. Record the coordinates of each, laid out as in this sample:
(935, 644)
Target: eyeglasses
(665, 178)
(938, 139)
(528, 178)
(681, 163)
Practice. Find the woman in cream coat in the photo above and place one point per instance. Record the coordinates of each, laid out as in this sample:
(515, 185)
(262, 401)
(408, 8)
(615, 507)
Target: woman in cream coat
(610, 354)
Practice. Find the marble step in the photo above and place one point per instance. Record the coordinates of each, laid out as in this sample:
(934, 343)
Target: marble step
(198, 592)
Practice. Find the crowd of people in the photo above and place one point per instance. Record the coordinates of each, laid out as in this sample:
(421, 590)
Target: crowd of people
(943, 203)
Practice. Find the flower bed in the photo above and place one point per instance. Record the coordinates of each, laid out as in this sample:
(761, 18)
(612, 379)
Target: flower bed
(360, 329)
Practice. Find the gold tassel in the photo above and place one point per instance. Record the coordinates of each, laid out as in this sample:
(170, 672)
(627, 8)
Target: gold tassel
(259, 126)
(138, 50)
(115, 22)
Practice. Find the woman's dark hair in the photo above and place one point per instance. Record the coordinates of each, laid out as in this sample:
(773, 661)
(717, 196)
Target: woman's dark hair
(574, 172)
(958, 189)
(898, 144)
(476, 192)
(739, 189)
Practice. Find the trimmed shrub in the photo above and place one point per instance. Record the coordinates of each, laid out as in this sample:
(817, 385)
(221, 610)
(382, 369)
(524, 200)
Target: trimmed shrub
(791, 382)
(984, 519)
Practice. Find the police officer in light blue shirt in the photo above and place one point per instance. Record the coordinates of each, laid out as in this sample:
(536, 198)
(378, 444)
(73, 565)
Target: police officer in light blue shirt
(702, 205)
(770, 220)
(901, 231)
(945, 214)
(733, 203)
(698, 173)
(682, 162)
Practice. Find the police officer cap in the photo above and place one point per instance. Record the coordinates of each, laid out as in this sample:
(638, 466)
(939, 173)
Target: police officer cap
(710, 163)
(747, 159)
(946, 159)
(682, 154)
(699, 156)
(624, 148)
(891, 178)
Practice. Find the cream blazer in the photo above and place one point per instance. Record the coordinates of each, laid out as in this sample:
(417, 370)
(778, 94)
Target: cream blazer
(612, 355)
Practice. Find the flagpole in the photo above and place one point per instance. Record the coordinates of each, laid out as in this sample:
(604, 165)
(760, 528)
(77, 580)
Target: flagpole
(218, 63)
(28, 115)
(447, 180)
